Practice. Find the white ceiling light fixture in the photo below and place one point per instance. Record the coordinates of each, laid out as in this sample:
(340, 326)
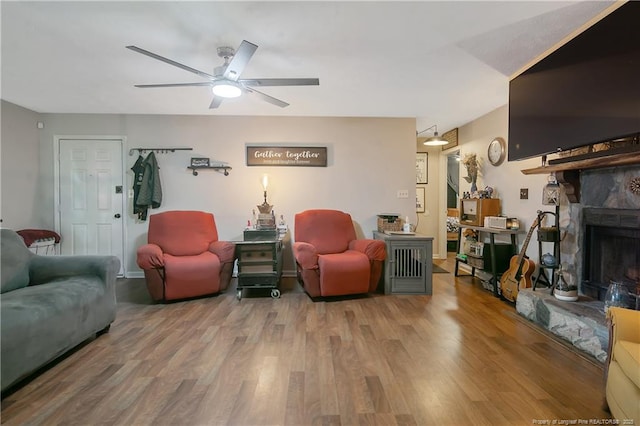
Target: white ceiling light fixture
(434, 140)
(226, 89)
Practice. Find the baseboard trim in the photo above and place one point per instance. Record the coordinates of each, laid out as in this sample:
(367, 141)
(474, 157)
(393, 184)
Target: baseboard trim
(140, 274)
(134, 274)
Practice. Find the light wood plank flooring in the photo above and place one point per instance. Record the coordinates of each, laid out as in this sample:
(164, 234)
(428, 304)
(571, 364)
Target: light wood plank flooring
(459, 357)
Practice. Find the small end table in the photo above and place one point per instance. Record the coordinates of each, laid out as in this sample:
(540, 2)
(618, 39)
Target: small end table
(408, 267)
(259, 258)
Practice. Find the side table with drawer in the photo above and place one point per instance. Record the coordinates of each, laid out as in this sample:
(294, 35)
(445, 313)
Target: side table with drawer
(259, 258)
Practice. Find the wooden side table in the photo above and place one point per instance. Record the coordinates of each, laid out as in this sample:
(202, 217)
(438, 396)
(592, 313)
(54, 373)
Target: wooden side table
(408, 267)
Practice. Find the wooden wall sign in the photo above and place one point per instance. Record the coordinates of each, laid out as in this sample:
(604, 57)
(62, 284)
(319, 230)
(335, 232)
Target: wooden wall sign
(301, 156)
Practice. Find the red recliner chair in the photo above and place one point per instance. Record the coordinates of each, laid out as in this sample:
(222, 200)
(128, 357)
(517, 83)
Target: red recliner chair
(330, 260)
(183, 257)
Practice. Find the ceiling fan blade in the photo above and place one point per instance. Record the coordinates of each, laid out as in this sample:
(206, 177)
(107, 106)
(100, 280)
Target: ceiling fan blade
(281, 82)
(147, 86)
(268, 98)
(170, 62)
(239, 60)
(215, 102)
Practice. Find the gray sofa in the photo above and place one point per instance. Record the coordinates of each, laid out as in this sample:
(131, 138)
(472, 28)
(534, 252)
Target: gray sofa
(49, 304)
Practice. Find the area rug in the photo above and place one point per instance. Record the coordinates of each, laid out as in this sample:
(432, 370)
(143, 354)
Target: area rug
(439, 270)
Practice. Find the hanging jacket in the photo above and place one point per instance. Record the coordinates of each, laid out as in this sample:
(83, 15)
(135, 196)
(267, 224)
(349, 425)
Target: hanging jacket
(138, 174)
(150, 195)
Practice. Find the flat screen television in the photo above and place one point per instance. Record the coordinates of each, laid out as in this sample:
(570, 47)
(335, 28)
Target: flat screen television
(585, 92)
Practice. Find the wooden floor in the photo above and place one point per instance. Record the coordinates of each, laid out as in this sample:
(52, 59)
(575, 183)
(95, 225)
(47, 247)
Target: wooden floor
(459, 357)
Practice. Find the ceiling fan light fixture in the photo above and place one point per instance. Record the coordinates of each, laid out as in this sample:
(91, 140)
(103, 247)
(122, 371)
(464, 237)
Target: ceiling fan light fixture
(226, 89)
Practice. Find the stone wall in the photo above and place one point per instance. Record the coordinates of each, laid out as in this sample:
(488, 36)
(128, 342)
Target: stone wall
(606, 188)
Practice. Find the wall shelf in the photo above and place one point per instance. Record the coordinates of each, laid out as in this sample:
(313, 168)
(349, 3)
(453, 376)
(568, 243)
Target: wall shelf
(225, 169)
(568, 173)
(614, 160)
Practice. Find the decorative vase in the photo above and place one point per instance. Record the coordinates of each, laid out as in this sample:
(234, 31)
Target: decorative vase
(565, 288)
(617, 295)
(474, 188)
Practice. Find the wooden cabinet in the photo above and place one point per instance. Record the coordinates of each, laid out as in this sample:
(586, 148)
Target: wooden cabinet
(408, 267)
(474, 210)
(259, 262)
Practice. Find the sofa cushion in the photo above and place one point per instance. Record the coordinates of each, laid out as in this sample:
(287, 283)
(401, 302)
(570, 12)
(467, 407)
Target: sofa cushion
(627, 355)
(41, 322)
(182, 233)
(191, 276)
(344, 273)
(623, 396)
(14, 273)
(329, 231)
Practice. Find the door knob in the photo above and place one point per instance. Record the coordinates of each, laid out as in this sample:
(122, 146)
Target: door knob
(117, 216)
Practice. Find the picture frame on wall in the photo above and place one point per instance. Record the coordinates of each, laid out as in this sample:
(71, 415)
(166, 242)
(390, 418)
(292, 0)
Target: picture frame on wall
(422, 167)
(200, 162)
(420, 195)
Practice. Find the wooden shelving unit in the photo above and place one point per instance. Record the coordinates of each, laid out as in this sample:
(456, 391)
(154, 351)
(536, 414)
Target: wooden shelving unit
(492, 268)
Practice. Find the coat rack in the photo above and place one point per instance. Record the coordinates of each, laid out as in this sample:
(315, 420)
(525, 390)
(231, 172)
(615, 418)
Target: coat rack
(158, 150)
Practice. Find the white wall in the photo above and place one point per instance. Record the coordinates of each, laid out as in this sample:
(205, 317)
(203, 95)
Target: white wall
(370, 159)
(507, 178)
(20, 156)
(429, 222)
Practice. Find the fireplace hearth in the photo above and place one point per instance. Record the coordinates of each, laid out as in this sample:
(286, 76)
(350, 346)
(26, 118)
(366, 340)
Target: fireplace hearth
(611, 252)
(600, 242)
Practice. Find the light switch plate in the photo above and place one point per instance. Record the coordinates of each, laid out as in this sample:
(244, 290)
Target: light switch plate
(524, 193)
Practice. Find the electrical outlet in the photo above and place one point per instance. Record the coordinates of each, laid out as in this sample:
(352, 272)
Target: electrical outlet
(524, 193)
(403, 193)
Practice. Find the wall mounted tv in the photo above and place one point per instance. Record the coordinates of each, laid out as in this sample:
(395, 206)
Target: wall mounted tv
(585, 92)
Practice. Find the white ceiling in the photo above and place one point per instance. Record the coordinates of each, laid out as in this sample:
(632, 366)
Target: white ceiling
(445, 63)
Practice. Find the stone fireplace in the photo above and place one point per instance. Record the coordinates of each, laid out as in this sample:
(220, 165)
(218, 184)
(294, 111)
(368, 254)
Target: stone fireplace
(612, 252)
(600, 242)
(602, 233)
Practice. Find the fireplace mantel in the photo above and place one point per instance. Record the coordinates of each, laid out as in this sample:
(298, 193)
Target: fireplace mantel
(568, 173)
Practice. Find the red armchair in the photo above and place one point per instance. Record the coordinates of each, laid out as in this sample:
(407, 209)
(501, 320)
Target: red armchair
(330, 260)
(183, 257)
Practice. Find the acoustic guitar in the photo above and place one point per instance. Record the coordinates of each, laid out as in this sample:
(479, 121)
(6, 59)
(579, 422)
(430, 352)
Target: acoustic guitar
(520, 270)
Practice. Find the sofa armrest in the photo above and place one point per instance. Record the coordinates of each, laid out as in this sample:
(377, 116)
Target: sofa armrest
(374, 249)
(149, 256)
(306, 255)
(225, 250)
(625, 324)
(43, 269)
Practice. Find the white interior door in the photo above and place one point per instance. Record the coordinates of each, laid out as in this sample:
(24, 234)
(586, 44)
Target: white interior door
(91, 198)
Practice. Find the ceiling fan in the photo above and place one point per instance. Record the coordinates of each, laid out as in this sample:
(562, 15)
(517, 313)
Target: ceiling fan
(225, 81)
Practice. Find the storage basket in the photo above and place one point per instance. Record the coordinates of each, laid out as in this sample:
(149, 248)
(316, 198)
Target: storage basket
(44, 247)
(389, 223)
